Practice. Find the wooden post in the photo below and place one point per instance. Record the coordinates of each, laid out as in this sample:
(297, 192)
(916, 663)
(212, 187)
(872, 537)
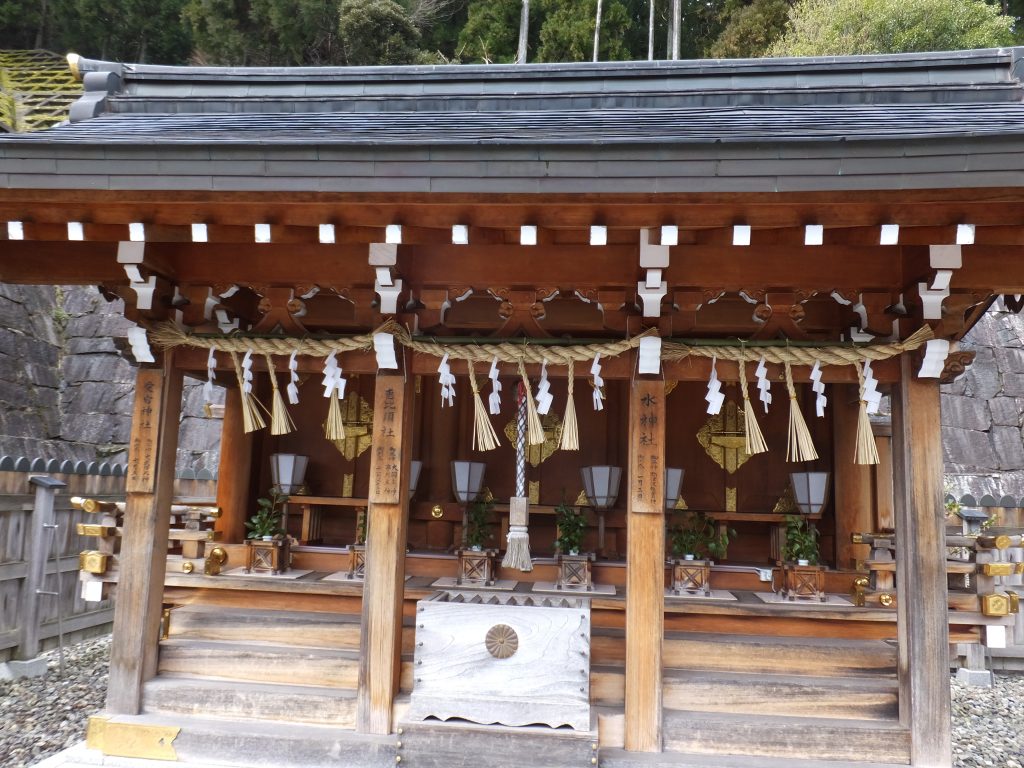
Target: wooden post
(235, 470)
(853, 488)
(380, 634)
(920, 568)
(37, 546)
(143, 561)
(645, 565)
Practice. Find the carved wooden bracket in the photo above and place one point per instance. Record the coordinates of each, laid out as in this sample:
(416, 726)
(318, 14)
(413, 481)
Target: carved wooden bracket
(780, 315)
(956, 364)
(279, 307)
(522, 310)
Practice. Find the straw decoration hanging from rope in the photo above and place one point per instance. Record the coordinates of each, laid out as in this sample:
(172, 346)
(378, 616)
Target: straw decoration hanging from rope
(280, 421)
(334, 391)
(534, 428)
(800, 446)
(484, 436)
(755, 439)
(865, 452)
(251, 418)
(570, 429)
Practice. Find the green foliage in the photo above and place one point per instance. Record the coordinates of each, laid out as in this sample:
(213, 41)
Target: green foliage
(376, 32)
(572, 525)
(491, 33)
(697, 534)
(839, 27)
(478, 523)
(801, 540)
(568, 31)
(267, 520)
(750, 29)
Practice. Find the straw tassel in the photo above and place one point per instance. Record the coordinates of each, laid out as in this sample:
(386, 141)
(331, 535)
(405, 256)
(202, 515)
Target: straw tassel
(334, 427)
(534, 428)
(251, 418)
(280, 421)
(755, 438)
(865, 451)
(517, 554)
(570, 429)
(800, 445)
(484, 436)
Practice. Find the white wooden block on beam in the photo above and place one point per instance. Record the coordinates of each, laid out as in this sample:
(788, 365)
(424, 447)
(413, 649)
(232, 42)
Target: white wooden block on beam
(388, 296)
(130, 255)
(598, 234)
(137, 232)
(393, 234)
(651, 298)
(741, 234)
(931, 301)
(814, 234)
(995, 636)
(669, 234)
(76, 231)
(965, 234)
(326, 233)
(652, 256)
(199, 233)
(383, 254)
(889, 235)
(945, 256)
(460, 234)
(528, 234)
(261, 232)
(15, 230)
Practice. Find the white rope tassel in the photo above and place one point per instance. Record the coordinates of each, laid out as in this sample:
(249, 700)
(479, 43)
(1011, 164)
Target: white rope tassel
(800, 446)
(517, 554)
(865, 450)
(484, 436)
(754, 437)
(534, 427)
(570, 429)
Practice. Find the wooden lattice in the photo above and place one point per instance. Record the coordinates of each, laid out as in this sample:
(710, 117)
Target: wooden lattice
(36, 90)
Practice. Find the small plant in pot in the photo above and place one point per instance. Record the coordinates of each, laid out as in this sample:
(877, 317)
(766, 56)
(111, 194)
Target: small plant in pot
(478, 522)
(697, 536)
(572, 525)
(801, 541)
(266, 523)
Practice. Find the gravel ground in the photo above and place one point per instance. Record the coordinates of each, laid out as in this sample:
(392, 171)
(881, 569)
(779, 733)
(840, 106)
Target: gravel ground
(43, 715)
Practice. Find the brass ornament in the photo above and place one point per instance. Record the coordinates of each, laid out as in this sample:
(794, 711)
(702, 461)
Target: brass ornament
(886, 600)
(501, 641)
(670, 387)
(786, 505)
(680, 503)
(582, 500)
(995, 604)
(92, 561)
(537, 454)
(997, 569)
(533, 491)
(347, 484)
(357, 416)
(437, 512)
(724, 438)
(187, 567)
(730, 499)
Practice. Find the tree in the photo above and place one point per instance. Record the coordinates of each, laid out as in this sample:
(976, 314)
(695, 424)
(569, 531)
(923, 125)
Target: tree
(750, 29)
(491, 33)
(839, 27)
(376, 32)
(567, 33)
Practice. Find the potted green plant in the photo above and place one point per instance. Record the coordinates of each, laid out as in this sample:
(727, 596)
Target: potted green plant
(574, 571)
(266, 546)
(802, 576)
(476, 561)
(696, 538)
(266, 523)
(478, 522)
(801, 541)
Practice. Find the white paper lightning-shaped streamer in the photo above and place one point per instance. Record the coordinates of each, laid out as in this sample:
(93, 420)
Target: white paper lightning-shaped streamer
(447, 381)
(334, 390)
(494, 401)
(871, 395)
(247, 372)
(714, 396)
(764, 386)
(544, 396)
(293, 379)
(820, 401)
(211, 374)
(595, 371)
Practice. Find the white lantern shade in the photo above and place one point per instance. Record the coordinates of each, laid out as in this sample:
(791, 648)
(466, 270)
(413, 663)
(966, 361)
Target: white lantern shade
(601, 484)
(673, 485)
(288, 471)
(415, 467)
(467, 479)
(810, 491)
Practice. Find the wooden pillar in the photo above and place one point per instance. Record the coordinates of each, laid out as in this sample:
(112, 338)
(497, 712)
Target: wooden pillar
(143, 558)
(380, 635)
(235, 470)
(645, 565)
(853, 488)
(920, 568)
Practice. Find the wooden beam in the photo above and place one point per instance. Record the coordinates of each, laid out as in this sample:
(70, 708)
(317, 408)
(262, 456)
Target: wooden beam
(645, 565)
(920, 568)
(234, 471)
(853, 486)
(380, 634)
(149, 486)
(79, 263)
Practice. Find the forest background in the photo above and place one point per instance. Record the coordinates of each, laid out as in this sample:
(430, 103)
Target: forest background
(364, 32)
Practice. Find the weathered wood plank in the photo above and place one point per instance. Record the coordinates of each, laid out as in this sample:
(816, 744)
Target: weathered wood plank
(921, 568)
(645, 574)
(854, 497)
(133, 654)
(234, 469)
(384, 584)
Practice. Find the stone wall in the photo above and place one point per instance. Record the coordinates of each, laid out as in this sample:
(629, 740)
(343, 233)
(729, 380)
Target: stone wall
(65, 390)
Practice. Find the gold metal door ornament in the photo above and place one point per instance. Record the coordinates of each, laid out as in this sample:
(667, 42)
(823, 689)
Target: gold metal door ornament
(357, 416)
(537, 454)
(724, 437)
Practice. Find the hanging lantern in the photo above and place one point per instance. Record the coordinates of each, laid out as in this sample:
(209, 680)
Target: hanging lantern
(288, 471)
(601, 484)
(673, 485)
(467, 479)
(810, 491)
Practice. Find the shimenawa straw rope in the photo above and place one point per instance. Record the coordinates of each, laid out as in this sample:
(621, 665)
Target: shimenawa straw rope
(534, 428)
(570, 429)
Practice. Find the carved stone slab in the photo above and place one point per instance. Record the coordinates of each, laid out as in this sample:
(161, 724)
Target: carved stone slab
(509, 659)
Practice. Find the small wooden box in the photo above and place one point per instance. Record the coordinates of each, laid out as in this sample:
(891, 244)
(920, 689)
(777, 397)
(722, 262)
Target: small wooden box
(691, 576)
(476, 567)
(273, 556)
(574, 573)
(513, 660)
(803, 582)
(357, 561)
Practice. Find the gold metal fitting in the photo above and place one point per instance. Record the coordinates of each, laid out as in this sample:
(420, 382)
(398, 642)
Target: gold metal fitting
(995, 604)
(856, 538)
(89, 529)
(886, 600)
(437, 512)
(215, 558)
(187, 567)
(92, 561)
(997, 569)
(859, 585)
(1014, 599)
(1020, 568)
(1003, 541)
(73, 66)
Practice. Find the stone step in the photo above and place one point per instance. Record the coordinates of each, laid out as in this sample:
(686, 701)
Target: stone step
(819, 657)
(295, 628)
(788, 695)
(785, 737)
(250, 701)
(620, 758)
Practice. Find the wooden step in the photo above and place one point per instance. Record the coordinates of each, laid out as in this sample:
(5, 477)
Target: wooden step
(287, 665)
(452, 744)
(785, 737)
(299, 629)
(250, 701)
(783, 655)
(789, 695)
(620, 758)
